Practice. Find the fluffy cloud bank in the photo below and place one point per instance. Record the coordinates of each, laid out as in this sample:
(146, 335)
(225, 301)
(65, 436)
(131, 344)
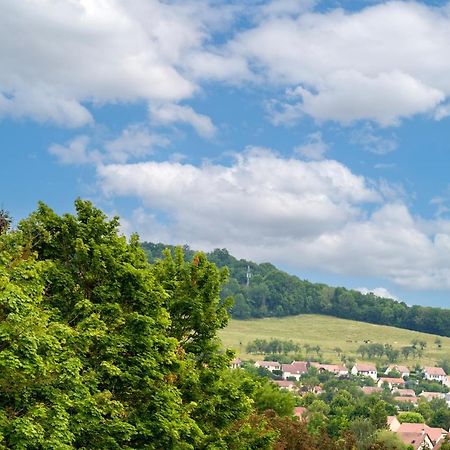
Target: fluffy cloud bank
(58, 55)
(382, 63)
(315, 214)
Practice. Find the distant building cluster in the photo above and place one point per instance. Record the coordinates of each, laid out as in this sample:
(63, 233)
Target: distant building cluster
(418, 435)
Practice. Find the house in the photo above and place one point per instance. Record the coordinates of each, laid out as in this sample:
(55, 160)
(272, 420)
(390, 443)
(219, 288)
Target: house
(369, 390)
(417, 440)
(286, 385)
(268, 365)
(432, 395)
(402, 370)
(393, 423)
(236, 363)
(366, 370)
(435, 435)
(338, 370)
(406, 399)
(294, 370)
(391, 382)
(300, 412)
(404, 392)
(435, 374)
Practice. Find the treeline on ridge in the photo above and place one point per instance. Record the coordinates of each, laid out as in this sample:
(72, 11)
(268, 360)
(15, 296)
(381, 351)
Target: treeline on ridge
(274, 293)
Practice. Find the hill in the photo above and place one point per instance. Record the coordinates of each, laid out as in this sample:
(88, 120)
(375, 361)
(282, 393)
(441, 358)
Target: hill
(330, 333)
(262, 290)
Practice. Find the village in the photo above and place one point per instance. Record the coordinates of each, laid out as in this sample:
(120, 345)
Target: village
(395, 380)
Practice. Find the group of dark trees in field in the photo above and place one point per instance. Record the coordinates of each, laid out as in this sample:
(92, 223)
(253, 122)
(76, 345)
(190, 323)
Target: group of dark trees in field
(272, 292)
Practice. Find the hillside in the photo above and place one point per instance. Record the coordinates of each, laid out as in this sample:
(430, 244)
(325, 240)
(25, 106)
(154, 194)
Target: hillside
(262, 290)
(329, 333)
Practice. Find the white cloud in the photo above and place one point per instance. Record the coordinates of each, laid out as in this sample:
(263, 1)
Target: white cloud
(373, 142)
(134, 142)
(314, 147)
(66, 54)
(261, 196)
(309, 215)
(349, 66)
(343, 66)
(379, 292)
(75, 152)
(170, 113)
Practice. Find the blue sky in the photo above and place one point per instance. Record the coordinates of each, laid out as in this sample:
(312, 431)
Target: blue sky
(311, 134)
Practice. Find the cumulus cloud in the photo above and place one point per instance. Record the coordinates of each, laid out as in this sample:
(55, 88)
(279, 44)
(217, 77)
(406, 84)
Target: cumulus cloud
(260, 195)
(74, 152)
(379, 292)
(372, 141)
(350, 66)
(168, 113)
(307, 214)
(134, 142)
(314, 147)
(337, 65)
(66, 54)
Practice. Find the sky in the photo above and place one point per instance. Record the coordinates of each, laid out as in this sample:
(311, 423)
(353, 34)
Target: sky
(311, 134)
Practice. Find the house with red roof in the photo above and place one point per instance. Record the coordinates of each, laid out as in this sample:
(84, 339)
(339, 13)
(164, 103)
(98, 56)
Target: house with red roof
(391, 382)
(402, 370)
(393, 423)
(338, 370)
(431, 395)
(406, 399)
(300, 412)
(369, 390)
(236, 363)
(268, 365)
(294, 370)
(404, 392)
(286, 385)
(366, 370)
(435, 374)
(406, 431)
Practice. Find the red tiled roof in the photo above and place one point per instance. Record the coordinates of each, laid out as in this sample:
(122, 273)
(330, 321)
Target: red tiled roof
(335, 368)
(405, 392)
(366, 367)
(295, 368)
(392, 380)
(406, 399)
(267, 363)
(414, 439)
(299, 411)
(433, 433)
(401, 369)
(436, 371)
(284, 383)
(371, 390)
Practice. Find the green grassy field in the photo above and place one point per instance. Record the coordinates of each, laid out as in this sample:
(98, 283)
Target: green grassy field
(328, 333)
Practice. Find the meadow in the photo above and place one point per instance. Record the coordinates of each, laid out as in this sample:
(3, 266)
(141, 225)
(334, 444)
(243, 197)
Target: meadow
(329, 333)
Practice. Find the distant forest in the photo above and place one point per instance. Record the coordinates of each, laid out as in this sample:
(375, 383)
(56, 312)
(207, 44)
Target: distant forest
(271, 292)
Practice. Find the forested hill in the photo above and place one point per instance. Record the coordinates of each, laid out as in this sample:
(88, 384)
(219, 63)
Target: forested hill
(272, 292)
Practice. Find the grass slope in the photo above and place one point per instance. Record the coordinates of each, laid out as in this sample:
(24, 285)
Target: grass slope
(329, 332)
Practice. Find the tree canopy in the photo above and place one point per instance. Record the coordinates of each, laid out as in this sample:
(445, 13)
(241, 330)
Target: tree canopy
(271, 292)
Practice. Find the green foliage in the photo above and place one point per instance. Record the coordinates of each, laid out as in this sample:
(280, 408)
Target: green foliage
(390, 440)
(274, 293)
(5, 221)
(101, 350)
(410, 417)
(269, 396)
(273, 346)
